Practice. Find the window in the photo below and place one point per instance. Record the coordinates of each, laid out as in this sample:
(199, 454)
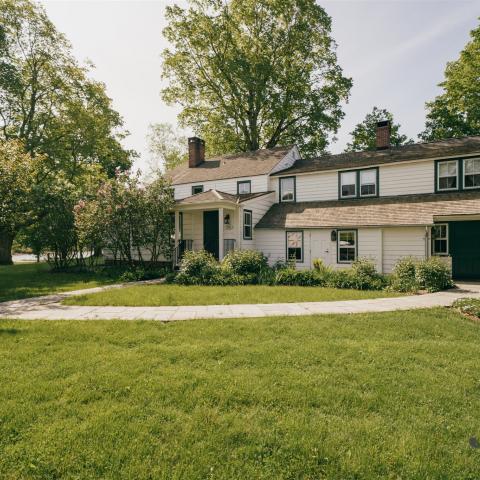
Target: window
(287, 189)
(471, 173)
(247, 224)
(368, 183)
(197, 189)
(346, 246)
(447, 175)
(244, 186)
(348, 184)
(295, 246)
(440, 239)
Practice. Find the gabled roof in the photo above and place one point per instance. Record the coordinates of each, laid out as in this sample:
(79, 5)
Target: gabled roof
(242, 164)
(215, 196)
(417, 151)
(383, 211)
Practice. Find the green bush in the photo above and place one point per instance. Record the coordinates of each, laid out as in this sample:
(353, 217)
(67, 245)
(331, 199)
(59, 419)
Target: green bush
(341, 278)
(404, 278)
(470, 306)
(198, 268)
(303, 278)
(365, 276)
(433, 275)
(245, 262)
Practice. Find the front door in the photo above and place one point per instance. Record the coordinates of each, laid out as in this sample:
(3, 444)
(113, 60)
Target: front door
(210, 232)
(465, 249)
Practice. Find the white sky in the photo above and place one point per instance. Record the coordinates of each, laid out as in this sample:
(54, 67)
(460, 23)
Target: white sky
(395, 51)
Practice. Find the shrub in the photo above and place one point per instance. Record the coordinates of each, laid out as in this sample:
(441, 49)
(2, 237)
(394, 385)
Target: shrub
(198, 268)
(433, 275)
(304, 278)
(340, 279)
(403, 278)
(245, 262)
(470, 306)
(320, 267)
(133, 274)
(365, 276)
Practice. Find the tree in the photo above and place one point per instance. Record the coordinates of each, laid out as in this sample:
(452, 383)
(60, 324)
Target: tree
(365, 133)
(167, 147)
(253, 74)
(17, 179)
(456, 111)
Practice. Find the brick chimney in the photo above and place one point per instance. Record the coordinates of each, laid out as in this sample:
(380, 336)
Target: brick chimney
(196, 151)
(383, 135)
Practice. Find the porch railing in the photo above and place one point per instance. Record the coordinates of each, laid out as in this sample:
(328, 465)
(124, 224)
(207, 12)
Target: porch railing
(181, 248)
(228, 245)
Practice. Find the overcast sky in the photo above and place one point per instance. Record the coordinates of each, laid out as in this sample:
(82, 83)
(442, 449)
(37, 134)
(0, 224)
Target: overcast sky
(395, 51)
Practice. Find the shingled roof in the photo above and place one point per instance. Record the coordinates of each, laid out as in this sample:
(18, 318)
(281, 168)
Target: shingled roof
(241, 164)
(215, 196)
(400, 210)
(417, 151)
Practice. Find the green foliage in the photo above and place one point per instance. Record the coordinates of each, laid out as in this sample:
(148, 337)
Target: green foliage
(433, 275)
(168, 148)
(245, 262)
(469, 306)
(403, 278)
(252, 74)
(198, 268)
(365, 133)
(456, 111)
(303, 278)
(365, 275)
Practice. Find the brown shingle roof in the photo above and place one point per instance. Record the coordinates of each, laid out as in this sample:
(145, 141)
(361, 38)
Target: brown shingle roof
(242, 164)
(418, 151)
(216, 196)
(400, 210)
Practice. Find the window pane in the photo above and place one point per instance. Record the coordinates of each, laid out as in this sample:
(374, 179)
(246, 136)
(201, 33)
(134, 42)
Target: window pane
(348, 182)
(349, 178)
(287, 189)
(244, 187)
(447, 182)
(348, 190)
(440, 246)
(472, 165)
(294, 239)
(295, 253)
(347, 238)
(472, 181)
(247, 231)
(366, 190)
(368, 176)
(447, 175)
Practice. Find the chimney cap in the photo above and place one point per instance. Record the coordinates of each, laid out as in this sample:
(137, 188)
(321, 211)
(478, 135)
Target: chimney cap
(383, 123)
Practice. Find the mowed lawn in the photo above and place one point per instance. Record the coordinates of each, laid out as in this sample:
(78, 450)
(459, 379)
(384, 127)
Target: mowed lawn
(374, 396)
(34, 279)
(158, 295)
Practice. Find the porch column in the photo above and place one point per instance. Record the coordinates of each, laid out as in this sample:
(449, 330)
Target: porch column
(177, 228)
(239, 228)
(220, 233)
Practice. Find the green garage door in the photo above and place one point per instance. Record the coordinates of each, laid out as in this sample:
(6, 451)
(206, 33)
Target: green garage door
(465, 249)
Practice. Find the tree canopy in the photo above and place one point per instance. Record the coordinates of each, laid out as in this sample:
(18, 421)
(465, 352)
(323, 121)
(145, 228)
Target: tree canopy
(252, 74)
(456, 111)
(168, 148)
(363, 136)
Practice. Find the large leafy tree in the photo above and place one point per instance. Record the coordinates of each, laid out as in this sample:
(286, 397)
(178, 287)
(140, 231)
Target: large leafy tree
(253, 74)
(168, 148)
(363, 136)
(456, 111)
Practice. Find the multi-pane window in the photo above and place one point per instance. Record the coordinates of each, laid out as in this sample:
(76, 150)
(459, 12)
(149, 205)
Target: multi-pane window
(348, 184)
(247, 224)
(347, 246)
(295, 246)
(368, 183)
(471, 173)
(447, 175)
(244, 186)
(197, 189)
(440, 239)
(287, 189)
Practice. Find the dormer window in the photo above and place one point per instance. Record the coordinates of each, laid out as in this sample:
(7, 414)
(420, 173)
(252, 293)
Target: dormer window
(447, 175)
(287, 189)
(197, 189)
(244, 187)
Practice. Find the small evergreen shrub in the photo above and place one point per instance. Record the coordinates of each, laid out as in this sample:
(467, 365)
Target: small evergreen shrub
(470, 306)
(199, 268)
(433, 275)
(404, 278)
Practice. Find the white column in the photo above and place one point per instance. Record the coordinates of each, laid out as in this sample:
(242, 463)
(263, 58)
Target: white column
(220, 233)
(177, 227)
(238, 246)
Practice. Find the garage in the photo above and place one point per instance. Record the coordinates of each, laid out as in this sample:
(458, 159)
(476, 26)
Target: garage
(464, 239)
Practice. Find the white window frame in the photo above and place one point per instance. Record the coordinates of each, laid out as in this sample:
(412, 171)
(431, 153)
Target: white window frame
(339, 247)
(375, 173)
(440, 254)
(302, 252)
(465, 160)
(355, 174)
(292, 190)
(247, 214)
(244, 182)
(457, 163)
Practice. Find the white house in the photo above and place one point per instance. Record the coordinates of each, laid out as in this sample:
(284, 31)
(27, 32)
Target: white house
(417, 200)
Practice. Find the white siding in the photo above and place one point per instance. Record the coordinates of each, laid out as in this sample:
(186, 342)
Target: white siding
(292, 156)
(407, 178)
(259, 184)
(402, 242)
(259, 206)
(370, 246)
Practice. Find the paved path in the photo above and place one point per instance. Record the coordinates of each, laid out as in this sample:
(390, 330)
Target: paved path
(50, 308)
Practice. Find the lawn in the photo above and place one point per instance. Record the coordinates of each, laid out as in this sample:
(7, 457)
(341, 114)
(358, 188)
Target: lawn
(158, 295)
(33, 279)
(374, 396)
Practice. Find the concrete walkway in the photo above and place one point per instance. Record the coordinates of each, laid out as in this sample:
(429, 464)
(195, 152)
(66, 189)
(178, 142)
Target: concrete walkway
(50, 308)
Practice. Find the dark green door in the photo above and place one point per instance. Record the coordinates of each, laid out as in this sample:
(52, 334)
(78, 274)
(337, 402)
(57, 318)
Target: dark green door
(465, 249)
(210, 232)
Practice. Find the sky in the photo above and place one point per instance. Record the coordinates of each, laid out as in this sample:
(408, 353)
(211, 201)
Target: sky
(394, 50)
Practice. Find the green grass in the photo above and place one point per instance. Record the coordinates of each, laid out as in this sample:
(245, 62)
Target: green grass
(34, 279)
(379, 396)
(157, 295)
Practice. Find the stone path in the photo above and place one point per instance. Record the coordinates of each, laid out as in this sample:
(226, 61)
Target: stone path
(50, 308)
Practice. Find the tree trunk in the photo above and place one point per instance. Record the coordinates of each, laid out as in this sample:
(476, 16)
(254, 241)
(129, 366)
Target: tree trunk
(6, 241)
